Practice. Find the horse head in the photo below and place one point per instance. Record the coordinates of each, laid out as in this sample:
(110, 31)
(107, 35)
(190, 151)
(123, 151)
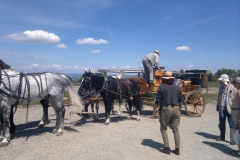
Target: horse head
(86, 84)
(91, 83)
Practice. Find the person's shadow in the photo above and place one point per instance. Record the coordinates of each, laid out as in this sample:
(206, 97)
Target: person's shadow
(152, 144)
(208, 136)
(222, 147)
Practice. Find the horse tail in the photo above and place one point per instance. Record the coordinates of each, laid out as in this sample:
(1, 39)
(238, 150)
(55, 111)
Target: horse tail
(75, 99)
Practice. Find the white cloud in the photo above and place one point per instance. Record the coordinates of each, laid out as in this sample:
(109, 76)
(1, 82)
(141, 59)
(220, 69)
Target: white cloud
(38, 36)
(190, 66)
(61, 46)
(183, 48)
(91, 41)
(34, 66)
(95, 51)
(114, 67)
(54, 66)
(125, 67)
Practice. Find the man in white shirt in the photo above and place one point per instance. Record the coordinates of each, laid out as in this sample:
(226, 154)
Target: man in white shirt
(148, 62)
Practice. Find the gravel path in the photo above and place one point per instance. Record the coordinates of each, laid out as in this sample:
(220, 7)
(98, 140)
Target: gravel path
(122, 139)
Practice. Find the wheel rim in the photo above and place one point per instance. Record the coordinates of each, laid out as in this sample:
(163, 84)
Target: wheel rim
(194, 104)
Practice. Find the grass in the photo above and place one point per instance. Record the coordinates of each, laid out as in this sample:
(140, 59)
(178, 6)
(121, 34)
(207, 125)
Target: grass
(213, 84)
(210, 97)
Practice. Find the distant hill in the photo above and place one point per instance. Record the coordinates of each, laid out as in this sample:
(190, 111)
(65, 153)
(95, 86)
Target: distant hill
(74, 76)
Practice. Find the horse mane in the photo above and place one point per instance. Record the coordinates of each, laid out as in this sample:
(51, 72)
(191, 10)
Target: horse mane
(3, 65)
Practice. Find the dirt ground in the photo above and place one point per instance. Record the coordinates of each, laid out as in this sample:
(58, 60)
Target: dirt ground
(123, 139)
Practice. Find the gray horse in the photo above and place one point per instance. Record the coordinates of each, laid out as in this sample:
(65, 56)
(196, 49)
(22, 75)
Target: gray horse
(18, 88)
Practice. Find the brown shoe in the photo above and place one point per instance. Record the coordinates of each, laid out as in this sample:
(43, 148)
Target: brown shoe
(219, 139)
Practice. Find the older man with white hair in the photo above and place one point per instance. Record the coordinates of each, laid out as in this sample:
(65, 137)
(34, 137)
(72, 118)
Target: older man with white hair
(225, 93)
(148, 62)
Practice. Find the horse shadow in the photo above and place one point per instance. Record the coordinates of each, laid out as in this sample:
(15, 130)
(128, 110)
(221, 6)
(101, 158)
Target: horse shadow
(114, 119)
(152, 144)
(31, 129)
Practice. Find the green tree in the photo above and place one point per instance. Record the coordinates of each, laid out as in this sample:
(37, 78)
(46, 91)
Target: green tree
(79, 80)
(230, 72)
(181, 71)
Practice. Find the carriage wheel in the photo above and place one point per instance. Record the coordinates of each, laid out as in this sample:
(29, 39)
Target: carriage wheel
(194, 104)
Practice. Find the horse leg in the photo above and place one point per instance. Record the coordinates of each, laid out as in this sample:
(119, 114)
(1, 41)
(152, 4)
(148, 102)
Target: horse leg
(86, 110)
(12, 125)
(1, 127)
(57, 104)
(61, 121)
(6, 109)
(44, 120)
(97, 108)
(108, 108)
(129, 108)
(92, 109)
(120, 108)
(138, 103)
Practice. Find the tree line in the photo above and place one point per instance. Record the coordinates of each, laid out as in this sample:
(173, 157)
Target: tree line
(232, 73)
(211, 77)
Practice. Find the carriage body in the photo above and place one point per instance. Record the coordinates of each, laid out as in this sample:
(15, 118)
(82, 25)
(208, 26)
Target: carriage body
(191, 83)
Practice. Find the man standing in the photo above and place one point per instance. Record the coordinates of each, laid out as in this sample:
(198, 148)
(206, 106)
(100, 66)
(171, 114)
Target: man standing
(226, 91)
(169, 98)
(235, 107)
(148, 62)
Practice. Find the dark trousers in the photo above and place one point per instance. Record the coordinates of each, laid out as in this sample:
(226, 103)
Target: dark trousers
(222, 122)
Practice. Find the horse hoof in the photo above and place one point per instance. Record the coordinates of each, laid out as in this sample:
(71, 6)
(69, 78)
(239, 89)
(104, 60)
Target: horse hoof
(138, 119)
(128, 117)
(59, 133)
(54, 131)
(41, 125)
(106, 123)
(4, 143)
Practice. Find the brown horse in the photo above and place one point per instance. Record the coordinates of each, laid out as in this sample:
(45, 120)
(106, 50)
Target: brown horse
(111, 89)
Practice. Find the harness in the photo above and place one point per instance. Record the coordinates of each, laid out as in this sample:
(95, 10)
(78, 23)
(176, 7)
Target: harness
(119, 92)
(25, 90)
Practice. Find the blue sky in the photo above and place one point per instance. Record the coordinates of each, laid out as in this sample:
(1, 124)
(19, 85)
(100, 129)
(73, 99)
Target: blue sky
(67, 36)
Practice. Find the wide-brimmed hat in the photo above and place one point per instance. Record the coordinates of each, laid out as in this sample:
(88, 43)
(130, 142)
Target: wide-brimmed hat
(156, 51)
(223, 77)
(168, 75)
(236, 80)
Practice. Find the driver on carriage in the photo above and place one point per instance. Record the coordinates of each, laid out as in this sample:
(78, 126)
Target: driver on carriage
(150, 61)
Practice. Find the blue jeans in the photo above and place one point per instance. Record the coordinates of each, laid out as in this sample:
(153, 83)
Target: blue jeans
(222, 122)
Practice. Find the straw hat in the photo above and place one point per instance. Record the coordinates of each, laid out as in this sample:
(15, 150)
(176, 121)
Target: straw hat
(168, 75)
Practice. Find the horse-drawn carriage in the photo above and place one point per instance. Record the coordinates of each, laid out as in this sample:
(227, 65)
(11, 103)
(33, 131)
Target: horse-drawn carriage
(191, 83)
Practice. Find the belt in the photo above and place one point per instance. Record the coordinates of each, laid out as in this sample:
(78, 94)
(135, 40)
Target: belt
(235, 108)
